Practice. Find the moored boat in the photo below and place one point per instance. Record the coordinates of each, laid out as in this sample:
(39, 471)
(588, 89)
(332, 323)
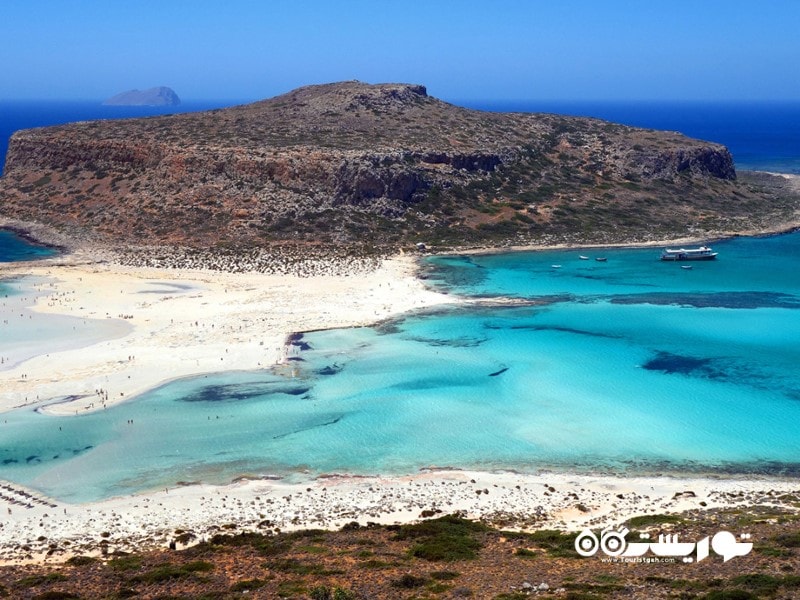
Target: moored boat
(701, 253)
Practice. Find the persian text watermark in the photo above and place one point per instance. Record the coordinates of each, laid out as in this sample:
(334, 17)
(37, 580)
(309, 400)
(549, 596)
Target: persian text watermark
(667, 549)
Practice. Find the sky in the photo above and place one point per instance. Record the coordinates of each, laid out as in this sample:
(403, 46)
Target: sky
(460, 49)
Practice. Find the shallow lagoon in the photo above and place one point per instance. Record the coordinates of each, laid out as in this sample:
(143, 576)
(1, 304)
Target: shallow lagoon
(631, 365)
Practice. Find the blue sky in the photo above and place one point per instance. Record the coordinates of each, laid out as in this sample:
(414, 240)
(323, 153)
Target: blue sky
(460, 49)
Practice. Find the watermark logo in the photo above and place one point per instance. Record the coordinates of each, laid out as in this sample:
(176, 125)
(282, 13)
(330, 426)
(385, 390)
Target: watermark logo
(613, 544)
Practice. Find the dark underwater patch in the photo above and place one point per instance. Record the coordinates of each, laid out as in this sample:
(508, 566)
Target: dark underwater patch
(571, 330)
(456, 272)
(500, 372)
(459, 342)
(329, 370)
(296, 340)
(722, 369)
(233, 392)
(669, 363)
(389, 327)
(431, 383)
(309, 428)
(740, 300)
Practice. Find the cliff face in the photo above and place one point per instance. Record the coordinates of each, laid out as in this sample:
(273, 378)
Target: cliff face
(351, 162)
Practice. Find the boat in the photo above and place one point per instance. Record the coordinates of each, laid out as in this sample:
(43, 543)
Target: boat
(556, 266)
(701, 253)
(582, 257)
(601, 259)
(687, 267)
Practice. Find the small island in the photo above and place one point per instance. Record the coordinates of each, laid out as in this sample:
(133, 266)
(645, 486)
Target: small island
(157, 96)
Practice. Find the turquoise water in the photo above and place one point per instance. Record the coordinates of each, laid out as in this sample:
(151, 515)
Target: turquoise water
(631, 365)
(14, 248)
(761, 265)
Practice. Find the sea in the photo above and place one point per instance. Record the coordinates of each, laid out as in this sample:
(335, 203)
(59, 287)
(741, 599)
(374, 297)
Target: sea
(628, 365)
(15, 248)
(27, 114)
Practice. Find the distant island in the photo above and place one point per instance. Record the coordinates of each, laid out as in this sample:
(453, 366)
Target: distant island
(157, 96)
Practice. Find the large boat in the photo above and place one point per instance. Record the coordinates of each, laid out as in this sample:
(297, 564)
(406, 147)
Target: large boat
(701, 253)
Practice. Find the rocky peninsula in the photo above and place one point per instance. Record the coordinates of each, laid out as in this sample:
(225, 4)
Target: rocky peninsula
(377, 167)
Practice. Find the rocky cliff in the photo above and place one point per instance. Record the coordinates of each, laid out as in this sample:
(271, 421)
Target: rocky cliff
(352, 163)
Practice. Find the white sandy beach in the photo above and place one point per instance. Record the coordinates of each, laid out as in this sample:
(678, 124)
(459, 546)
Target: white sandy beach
(188, 322)
(55, 531)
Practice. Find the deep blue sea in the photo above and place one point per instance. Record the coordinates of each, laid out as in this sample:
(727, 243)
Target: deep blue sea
(25, 114)
(630, 365)
(14, 248)
(760, 135)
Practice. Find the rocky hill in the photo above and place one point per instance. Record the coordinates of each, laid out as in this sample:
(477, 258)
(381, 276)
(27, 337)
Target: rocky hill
(352, 164)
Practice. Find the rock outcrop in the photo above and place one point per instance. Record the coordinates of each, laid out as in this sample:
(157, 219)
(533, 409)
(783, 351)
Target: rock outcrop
(352, 163)
(157, 96)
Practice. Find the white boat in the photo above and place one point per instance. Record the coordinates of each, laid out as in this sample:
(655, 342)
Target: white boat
(701, 253)
(687, 267)
(556, 266)
(582, 257)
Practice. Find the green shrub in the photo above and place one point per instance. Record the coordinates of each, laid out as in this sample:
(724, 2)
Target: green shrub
(79, 561)
(168, 572)
(126, 563)
(650, 520)
(788, 540)
(445, 539)
(247, 585)
(556, 543)
(290, 589)
(760, 583)
(263, 544)
(445, 575)
(34, 580)
(323, 592)
(409, 581)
